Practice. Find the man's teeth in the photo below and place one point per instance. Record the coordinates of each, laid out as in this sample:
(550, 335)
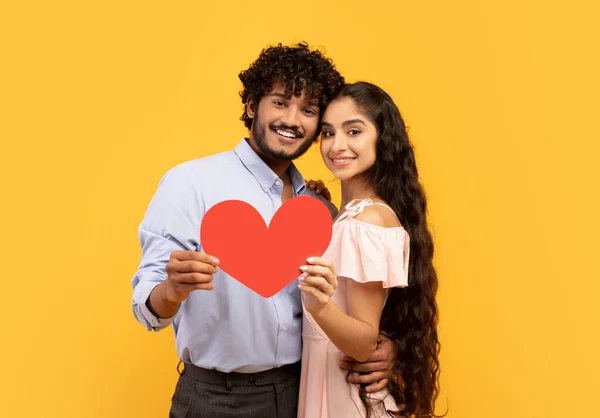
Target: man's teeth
(286, 134)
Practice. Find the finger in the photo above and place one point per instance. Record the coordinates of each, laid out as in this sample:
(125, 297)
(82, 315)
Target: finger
(347, 362)
(369, 379)
(374, 366)
(192, 278)
(190, 287)
(346, 365)
(193, 266)
(187, 288)
(319, 261)
(194, 256)
(318, 282)
(327, 273)
(204, 286)
(320, 186)
(316, 293)
(378, 356)
(317, 271)
(311, 184)
(348, 359)
(311, 286)
(326, 284)
(376, 387)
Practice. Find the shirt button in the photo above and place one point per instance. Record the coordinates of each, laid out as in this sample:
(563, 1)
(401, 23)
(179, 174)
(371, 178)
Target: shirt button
(283, 328)
(278, 182)
(265, 186)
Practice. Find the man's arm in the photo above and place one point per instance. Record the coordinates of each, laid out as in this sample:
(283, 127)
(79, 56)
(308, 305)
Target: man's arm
(326, 199)
(377, 370)
(169, 225)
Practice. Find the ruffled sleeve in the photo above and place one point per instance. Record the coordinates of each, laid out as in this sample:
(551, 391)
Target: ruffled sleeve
(368, 253)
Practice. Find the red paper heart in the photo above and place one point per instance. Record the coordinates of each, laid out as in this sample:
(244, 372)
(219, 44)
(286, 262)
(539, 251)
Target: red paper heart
(266, 259)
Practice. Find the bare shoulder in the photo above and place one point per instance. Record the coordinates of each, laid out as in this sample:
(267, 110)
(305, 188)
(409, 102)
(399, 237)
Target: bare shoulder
(378, 215)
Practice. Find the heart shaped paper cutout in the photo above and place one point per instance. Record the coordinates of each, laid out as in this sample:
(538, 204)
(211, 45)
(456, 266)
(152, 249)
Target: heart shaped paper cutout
(266, 259)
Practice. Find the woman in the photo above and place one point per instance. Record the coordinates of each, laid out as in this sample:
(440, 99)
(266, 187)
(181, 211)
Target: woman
(365, 279)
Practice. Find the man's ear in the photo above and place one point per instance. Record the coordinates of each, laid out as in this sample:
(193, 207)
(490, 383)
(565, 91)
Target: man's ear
(250, 108)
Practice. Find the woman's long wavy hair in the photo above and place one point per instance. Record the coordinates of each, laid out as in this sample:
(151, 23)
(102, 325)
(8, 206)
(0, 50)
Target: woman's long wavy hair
(410, 314)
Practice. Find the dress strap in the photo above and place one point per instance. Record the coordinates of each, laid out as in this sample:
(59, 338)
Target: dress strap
(353, 208)
(356, 206)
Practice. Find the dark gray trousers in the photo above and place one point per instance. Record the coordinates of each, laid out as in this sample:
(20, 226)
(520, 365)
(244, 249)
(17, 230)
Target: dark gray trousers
(202, 393)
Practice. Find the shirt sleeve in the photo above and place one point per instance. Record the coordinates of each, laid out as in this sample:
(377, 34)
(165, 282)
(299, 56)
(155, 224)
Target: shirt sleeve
(369, 253)
(170, 224)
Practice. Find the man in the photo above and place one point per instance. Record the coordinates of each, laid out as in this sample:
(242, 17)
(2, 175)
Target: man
(241, 351)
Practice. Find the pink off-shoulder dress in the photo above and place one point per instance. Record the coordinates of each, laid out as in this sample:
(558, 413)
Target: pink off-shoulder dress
(365, 253)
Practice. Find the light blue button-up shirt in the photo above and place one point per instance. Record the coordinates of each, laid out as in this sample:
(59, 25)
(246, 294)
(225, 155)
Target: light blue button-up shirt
(230, 328)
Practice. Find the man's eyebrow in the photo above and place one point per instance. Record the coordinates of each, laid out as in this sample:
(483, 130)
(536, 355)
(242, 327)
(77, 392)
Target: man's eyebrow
(287, 96)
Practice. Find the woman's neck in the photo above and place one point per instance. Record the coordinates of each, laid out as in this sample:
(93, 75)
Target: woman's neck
(357, 188)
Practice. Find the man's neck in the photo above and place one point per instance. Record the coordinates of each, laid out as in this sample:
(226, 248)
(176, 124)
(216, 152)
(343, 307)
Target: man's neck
(279, 167)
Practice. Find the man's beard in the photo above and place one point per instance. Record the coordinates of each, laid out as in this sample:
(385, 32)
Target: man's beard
(260, 132)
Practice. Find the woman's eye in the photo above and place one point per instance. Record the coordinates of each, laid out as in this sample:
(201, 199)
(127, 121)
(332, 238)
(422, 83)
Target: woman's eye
(326, 134)
(354, 132)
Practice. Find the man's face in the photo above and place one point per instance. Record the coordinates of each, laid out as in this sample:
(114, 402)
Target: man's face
(284, 127)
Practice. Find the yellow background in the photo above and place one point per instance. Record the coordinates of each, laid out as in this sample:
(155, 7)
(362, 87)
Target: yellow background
(99, 99)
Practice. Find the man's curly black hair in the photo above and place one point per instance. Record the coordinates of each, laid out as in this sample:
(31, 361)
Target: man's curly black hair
(296, 66)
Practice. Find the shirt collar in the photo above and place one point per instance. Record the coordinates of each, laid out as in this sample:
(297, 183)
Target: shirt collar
(263, 173)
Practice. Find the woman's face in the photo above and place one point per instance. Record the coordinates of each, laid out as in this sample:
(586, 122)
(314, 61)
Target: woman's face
(348, 139)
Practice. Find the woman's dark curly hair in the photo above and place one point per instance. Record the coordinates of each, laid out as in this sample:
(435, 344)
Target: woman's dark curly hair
(410, 314)
(296, 66)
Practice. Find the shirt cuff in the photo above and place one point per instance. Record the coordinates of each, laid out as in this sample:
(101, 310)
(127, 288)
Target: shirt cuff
(144, 315)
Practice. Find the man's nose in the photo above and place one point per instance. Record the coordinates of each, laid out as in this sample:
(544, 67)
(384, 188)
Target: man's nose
(291, 116)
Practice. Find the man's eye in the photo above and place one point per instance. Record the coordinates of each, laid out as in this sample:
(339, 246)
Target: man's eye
(278, 103)
(310, 112)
